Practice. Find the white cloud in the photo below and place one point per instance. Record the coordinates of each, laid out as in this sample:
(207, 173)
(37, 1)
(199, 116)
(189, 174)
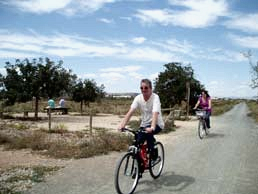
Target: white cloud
(32, 44)
(242, 90)
(177, 46)
(222, 55)
(135, 75)
(63, 45)
(245, 41)
(126, 18)
(107, 21)
(67, 7)
(230, 89)
(58, 45)
(246, 23)
(193, 13)
(3, 71)
(39, 6)
(123, 69)
(154, 76)
(93, 5)
(149, 54)
(121, 73)
(155, 16)
(17, 55)
(112, 76)
(138, 40)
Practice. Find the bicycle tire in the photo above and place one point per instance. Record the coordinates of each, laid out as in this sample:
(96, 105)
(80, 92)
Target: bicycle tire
(156, 166)
(206, 129)
(127, 174)
(201, 128)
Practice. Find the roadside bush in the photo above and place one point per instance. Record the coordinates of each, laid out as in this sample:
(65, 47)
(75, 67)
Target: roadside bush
(65, 145)
(253, 106)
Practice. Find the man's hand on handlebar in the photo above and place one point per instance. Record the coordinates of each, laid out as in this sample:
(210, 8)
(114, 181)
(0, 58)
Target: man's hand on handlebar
(121, 128)
(149, 129)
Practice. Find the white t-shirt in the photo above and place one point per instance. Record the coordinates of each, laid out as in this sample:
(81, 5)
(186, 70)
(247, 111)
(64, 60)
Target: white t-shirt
(147, 108)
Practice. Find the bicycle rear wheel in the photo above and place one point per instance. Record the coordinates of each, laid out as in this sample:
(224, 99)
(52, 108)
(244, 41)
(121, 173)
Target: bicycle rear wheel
(156, 165)
(201, 128)
(127, 174)
(206, 128)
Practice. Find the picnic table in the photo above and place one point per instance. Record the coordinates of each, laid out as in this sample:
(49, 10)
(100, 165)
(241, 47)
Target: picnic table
(63, 110)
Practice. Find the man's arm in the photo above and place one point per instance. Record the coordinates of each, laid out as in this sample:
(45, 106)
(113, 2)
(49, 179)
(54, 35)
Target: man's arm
(153, 122)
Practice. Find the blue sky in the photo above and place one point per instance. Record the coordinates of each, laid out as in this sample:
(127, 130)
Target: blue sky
(119, 42)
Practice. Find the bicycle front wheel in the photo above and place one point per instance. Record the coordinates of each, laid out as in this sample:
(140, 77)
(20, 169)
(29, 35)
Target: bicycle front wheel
(127, 174)
(201, 128)
(156, 164)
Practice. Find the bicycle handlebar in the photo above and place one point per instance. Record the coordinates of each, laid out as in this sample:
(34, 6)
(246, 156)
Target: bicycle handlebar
(132, 131)
(127, 129)
(200, 109)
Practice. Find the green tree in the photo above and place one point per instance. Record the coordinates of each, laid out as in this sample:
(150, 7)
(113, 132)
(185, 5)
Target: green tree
(12, 83)
(40, 78)
(87, 91)
(255, 75)
(254, 68)
(2, 89)
(171, 84)
(54, 79)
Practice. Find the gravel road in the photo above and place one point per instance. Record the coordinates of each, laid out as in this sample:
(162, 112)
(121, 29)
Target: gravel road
(225, 162)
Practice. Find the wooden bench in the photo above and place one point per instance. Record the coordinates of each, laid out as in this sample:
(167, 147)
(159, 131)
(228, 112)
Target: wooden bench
(63, 110)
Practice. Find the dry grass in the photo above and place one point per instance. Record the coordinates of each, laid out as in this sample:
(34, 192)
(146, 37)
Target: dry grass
(18, 179)
(253, 106)
(64, 144)
(222, 106)
(108, 106)
(60, 143)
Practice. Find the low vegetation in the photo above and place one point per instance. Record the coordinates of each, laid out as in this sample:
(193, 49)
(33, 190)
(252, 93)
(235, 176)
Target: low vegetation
(62, 143)
(18, 179)
(221, 106)
(253, 106)
(106, 106)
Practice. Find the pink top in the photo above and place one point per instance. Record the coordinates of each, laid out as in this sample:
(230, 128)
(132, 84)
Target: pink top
(205, 103)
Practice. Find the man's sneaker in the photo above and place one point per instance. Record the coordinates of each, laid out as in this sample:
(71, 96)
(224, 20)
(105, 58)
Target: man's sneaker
(154, 154)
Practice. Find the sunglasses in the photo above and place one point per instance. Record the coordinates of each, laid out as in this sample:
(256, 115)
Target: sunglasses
(145, 88)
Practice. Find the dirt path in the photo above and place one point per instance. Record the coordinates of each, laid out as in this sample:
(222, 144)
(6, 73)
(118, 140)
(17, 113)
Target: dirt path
(72, 123)
(26, 158)
(224, 162)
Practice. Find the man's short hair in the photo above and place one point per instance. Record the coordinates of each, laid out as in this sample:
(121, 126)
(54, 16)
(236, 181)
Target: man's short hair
(147, 81)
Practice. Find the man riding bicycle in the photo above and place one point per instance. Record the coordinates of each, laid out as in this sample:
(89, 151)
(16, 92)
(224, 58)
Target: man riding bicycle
(151, 118)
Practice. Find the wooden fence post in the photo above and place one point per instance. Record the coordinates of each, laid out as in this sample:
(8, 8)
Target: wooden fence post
(26, 114)
(90, 123)
(49, 119)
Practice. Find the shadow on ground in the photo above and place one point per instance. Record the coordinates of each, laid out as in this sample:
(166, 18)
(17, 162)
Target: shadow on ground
(168, 181)
(215, 135)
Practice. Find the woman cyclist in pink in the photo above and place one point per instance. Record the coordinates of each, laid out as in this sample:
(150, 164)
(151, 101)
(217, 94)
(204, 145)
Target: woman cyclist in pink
(204, 102)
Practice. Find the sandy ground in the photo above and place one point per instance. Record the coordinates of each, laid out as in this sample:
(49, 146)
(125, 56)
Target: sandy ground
(73, 123)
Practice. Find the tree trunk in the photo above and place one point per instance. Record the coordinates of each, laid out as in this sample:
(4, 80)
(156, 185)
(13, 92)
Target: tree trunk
(36, 107)
(81, 106)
